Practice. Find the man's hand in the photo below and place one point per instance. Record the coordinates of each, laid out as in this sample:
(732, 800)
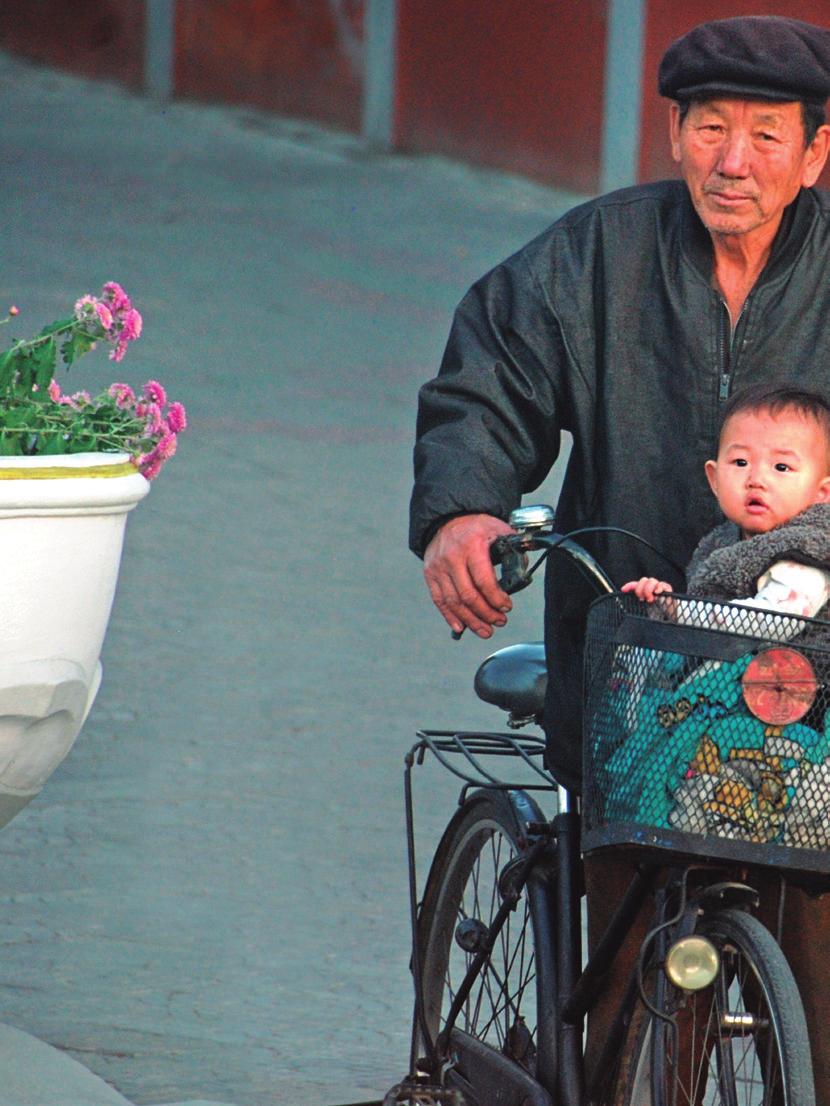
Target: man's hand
(460, 574)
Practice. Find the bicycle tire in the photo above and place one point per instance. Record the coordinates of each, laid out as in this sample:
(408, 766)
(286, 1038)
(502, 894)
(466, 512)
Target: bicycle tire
(511, 1008)
(715, 1060)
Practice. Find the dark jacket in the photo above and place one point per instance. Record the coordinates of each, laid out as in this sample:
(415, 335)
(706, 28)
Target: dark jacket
(607, 326)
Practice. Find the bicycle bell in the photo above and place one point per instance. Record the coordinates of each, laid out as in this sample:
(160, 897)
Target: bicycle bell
(536, 517)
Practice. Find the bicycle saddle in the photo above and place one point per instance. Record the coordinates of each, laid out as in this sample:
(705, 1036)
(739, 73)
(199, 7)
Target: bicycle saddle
(515, 678)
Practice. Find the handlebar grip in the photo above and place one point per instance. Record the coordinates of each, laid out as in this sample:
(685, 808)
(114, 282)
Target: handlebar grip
(515, 573)
(498, 548)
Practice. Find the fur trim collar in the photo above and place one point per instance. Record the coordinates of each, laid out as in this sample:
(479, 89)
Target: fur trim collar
(724, 567)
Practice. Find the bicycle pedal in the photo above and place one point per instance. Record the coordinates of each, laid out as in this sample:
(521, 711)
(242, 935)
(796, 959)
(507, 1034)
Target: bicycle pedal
(412, 1092)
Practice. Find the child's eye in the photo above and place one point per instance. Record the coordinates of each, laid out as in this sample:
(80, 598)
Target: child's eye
(782, 466)
(741, 462)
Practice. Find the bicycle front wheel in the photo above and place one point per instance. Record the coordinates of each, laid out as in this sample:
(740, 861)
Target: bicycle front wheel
(510, 1009)
(740, 1042)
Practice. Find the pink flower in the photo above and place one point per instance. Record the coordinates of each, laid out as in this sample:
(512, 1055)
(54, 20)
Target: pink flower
(104, 315)
(123, 395)
(149, 464)
(75, 402)
(155, 423)
(85, 307)
(155, 393)
(119, 351)
(116, 297)
(90, 310)
(131, 328)
(176, 418)
(167, 447)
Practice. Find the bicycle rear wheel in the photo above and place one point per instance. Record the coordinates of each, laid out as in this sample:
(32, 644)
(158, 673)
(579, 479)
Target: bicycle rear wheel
(510, 1010)
(740, 1042)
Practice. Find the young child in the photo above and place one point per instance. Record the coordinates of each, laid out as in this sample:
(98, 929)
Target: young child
(772, 481)
(690, 756)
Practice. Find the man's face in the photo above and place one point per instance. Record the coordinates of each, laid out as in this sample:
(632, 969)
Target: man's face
(769, 468)
(744, 161)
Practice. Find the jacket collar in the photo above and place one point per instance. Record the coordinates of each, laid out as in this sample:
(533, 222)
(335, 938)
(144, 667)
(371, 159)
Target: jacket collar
(727, 567)
(795, 224)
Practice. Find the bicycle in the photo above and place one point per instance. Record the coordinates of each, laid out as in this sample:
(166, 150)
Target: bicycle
(711, 1014)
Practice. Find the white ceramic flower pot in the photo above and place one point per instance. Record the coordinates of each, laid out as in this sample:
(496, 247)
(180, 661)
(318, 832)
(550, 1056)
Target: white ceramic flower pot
(62, 523)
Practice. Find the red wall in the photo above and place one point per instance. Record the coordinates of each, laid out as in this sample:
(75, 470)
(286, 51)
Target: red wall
(295, 57)
(98, 38)
(668, 20)
(514, 86)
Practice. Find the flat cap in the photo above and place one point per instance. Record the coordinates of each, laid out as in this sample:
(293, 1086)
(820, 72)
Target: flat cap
(768, 57)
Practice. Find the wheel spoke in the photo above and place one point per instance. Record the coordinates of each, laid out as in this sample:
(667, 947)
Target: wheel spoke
(507, 1003)
(503, 998)
(501, 1007)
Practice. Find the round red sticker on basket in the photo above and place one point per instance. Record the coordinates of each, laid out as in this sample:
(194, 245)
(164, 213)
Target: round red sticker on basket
(779, 686)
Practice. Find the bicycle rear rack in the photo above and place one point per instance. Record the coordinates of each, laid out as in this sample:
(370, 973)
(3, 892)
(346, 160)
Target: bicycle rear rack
(468, 747)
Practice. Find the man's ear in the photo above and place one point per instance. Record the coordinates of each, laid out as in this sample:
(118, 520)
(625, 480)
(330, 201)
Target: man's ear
(823, 491)
(816, 157)
(712, 475)
(674, 130)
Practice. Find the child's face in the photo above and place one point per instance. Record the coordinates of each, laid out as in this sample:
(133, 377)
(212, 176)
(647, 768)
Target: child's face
(769, 468)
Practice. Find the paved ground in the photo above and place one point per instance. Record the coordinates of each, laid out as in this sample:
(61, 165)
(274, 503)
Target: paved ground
(208, 900)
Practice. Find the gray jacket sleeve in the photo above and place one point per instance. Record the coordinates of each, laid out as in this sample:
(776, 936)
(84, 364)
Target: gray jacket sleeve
(489, 424)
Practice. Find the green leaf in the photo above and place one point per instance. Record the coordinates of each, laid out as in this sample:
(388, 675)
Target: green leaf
(76, 346)
(51, 444)
(43, 358)
(59, 324)
(7, 369)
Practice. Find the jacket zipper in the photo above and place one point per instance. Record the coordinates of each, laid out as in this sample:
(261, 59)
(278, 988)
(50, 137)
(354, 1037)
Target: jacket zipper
(726, 347)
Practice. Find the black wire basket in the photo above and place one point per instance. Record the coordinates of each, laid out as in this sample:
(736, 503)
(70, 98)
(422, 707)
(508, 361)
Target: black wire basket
(707, 731)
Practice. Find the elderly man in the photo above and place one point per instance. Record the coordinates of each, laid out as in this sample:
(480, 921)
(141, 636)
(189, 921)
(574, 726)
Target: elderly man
(628, 323)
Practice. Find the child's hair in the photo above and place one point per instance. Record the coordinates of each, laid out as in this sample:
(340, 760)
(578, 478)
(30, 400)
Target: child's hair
(777, 398)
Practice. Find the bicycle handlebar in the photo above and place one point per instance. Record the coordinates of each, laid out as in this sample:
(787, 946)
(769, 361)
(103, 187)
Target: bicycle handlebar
(516, 573)
(535, 533)
(511, 554)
